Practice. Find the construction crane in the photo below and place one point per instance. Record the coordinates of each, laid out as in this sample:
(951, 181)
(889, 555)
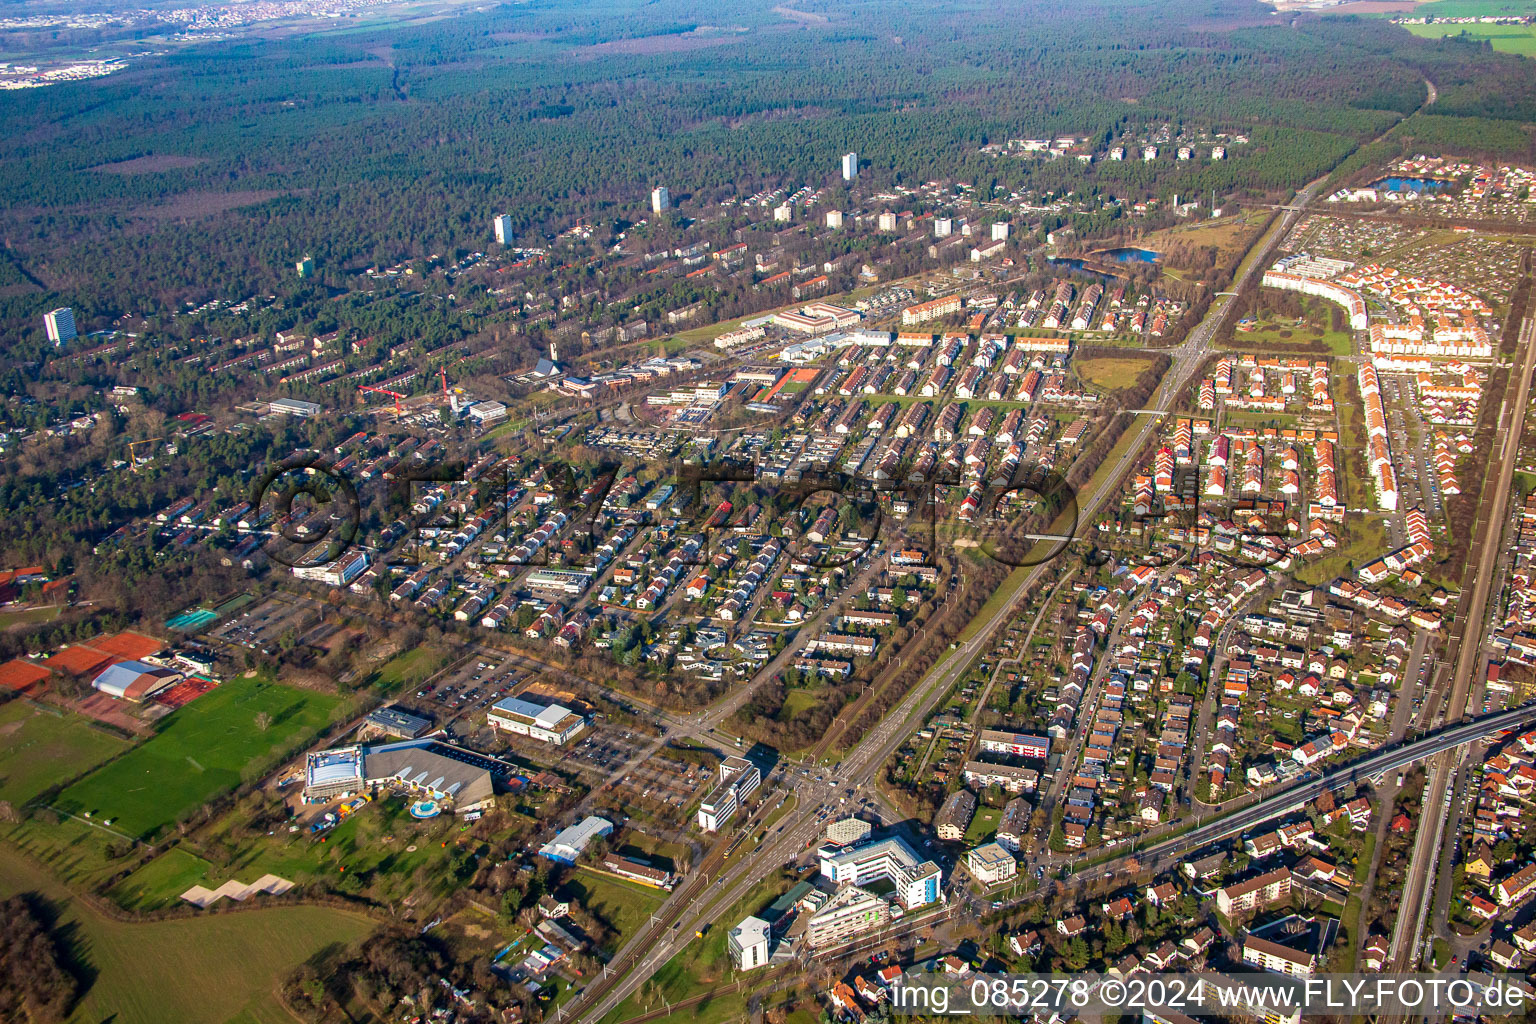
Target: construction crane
(397, 396)
(133, 448)
(450, 398)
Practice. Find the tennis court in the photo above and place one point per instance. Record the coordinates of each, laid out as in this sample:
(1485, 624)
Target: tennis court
(192, 619)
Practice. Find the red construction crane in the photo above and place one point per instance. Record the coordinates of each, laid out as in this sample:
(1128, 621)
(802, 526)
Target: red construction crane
(397, 396)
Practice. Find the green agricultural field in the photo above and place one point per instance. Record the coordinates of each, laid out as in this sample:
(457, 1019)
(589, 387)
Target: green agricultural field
(199, 970)
(1477, 8)
(1519, 39)
(201, 750)
(41, 747)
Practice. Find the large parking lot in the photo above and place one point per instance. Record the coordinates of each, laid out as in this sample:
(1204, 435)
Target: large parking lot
(262, 626)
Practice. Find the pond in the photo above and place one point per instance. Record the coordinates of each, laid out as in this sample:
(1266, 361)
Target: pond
(1129, 255)
(1395, 184)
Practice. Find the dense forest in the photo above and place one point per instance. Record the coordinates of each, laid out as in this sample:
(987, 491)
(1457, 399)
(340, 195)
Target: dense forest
(381, 145)
(35, 983)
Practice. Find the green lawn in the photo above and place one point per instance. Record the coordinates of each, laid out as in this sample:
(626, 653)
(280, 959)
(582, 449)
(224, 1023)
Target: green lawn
(983, 826)
(199, 970)
(201, 750)
(41, 747)
(161, 882)
(625, 906)
(801, 699)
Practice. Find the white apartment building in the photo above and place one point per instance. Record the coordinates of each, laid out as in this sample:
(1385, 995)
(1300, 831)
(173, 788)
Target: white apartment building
(991, 864)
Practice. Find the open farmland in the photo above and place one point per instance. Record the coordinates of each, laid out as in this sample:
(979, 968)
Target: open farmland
(201, 750)
(140, 971)
(41, 746)
(1519, 39)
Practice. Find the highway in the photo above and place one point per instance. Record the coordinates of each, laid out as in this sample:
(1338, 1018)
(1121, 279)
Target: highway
(662, 939)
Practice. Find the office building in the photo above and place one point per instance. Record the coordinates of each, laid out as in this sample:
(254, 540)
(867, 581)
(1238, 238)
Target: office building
(847, 831)
(748, 943)
(850, 166)
(547, 723)
(60, 324)
(294, 407)
(916, 881)
(503, 228)
(739, 779)
(661, 199)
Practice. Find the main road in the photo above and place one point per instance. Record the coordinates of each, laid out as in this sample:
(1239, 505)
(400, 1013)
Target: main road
(653, 945)
(1470, 619)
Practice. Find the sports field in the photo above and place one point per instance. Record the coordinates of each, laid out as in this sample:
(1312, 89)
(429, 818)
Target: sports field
(201, 750)
(41, 746)
(200, 970)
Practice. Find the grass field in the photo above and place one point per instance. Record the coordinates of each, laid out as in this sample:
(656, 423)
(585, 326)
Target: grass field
(75, 851)
(801, 699)
(625, 906)
(201, 750)
(412, 666)
(200, 970)
(40, 746)
(1519, 39)
(1108, 373)
(161, 882)
(983, 826)
(29, 616)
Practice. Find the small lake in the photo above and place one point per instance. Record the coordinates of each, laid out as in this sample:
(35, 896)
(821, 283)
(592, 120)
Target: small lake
(1129, 255)
(1410, 184)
